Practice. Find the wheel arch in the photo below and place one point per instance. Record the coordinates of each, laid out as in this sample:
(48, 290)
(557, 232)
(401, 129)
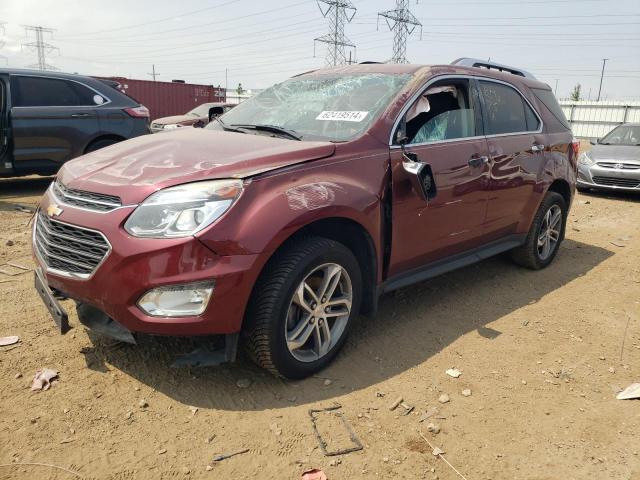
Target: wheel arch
(355, 237)
(561, 186)
(99, 138)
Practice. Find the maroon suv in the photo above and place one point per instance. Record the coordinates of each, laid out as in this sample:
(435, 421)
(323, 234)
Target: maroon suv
(291, 214)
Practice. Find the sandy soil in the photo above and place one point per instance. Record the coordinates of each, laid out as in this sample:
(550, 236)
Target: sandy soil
(543, 354)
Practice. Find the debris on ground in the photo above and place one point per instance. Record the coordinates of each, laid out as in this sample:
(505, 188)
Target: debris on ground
(453, 372)
(243, 383)
(357, 445)
(42, 379)
(438, 452)
(395, 403)
(630, 393)
(219, 458)
(444, 398)
(276, 429)
(10, 340)
(466, 392)
(618, 243)
(433, 428)
(13, 269)
(314, 474)
(143, 403)
(9, 243)
(429, 413)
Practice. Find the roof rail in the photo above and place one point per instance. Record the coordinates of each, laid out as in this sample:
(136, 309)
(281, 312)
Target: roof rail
(474, 62)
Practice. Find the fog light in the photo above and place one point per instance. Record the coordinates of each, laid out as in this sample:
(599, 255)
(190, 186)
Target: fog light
(183, 300)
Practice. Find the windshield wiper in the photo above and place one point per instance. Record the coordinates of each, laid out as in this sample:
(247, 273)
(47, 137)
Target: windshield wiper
(271, 128)
(227, 127)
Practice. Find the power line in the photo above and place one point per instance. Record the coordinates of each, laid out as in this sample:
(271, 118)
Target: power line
(338, 12)
(40, 46)
(403, 23)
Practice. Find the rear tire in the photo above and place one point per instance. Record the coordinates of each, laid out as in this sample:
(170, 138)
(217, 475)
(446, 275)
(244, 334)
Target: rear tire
(545, 235)
(98, 144)
(290, 329)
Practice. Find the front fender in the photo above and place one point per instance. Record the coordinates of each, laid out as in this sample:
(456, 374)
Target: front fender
(273, 208)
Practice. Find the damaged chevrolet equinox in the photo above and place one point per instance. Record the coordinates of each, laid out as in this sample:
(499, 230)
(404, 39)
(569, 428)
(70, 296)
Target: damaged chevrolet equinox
(288, 216)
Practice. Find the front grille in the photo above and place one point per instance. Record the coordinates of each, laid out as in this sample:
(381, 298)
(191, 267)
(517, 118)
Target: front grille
(620, 165)
(617, 182)
(83, 199)
(68, 249)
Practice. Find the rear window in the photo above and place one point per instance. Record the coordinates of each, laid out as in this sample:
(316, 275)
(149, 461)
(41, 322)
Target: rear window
(51, 92)
(549, 100)
(506, 110)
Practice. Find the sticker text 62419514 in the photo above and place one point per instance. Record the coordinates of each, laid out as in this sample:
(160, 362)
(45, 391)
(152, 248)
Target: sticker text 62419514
(342, 116)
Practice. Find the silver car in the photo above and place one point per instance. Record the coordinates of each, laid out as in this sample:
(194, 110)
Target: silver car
(614, 161)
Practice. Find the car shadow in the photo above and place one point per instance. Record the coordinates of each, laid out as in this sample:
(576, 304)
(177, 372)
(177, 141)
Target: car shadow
(412, 325)
(611, 195)
(14, 190)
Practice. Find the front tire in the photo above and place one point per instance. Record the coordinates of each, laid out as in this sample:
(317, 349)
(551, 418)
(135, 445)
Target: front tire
(545, 235)
(302, 307)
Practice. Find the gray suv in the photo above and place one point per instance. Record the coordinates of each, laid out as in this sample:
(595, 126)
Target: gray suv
(47, 118)
(614, 161)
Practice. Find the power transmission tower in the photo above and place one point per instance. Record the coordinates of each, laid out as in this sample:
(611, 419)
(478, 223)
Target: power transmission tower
(40, 47)
(338, 12)
(403, 23)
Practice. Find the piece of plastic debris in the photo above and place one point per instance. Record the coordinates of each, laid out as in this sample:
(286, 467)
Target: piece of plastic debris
(437, 451)
(395, 403)
(327, 382)
(444, 398)
(466, 392)
(219, 458)
(314, 474)
(42, 379)
(454, 372)
(629, 393)
(10, 340)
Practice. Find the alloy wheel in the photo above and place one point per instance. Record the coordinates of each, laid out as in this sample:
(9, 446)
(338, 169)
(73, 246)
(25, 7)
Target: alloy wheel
(318, 312)
(549, 232)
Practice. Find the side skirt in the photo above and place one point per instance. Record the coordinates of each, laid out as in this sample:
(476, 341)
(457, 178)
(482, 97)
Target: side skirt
(451, 263)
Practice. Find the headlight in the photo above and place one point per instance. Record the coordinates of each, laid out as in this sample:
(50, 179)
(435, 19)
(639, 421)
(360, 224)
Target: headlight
(171, 126)
(585, 159)
(183, 210)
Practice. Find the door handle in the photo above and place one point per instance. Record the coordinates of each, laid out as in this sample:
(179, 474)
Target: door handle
(78, 115)
(537, 147)
(478, 161)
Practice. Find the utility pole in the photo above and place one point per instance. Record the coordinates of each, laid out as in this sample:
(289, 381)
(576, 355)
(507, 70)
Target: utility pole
(40, 46)
(403, 23)
(338, 12)
(153, 72)
(604, 62)
(555, 91)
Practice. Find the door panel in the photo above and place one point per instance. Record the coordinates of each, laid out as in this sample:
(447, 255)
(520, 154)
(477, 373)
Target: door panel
(56, 134)
(514, 170)
(449, 223)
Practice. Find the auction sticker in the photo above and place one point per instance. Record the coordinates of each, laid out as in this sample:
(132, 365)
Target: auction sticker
(342, 116)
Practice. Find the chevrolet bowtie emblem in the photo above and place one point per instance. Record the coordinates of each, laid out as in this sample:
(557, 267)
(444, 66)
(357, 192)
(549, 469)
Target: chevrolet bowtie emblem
(53, 210)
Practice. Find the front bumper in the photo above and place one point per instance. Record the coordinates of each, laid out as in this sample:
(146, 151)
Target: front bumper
(134, 266)
(599, 177)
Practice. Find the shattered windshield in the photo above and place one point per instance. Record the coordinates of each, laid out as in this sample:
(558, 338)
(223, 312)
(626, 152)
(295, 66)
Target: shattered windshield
(327, 107)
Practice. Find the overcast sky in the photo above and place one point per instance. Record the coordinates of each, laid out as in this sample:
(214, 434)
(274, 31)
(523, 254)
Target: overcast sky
(263, 42)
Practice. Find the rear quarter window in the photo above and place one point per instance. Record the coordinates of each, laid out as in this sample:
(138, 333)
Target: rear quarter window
(548, 99)
(506, 111)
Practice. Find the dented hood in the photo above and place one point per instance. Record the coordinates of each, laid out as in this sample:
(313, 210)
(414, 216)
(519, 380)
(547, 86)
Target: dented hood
(135, 168)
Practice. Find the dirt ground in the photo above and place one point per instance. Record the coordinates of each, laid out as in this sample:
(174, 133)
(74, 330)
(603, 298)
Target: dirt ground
(543, 354)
